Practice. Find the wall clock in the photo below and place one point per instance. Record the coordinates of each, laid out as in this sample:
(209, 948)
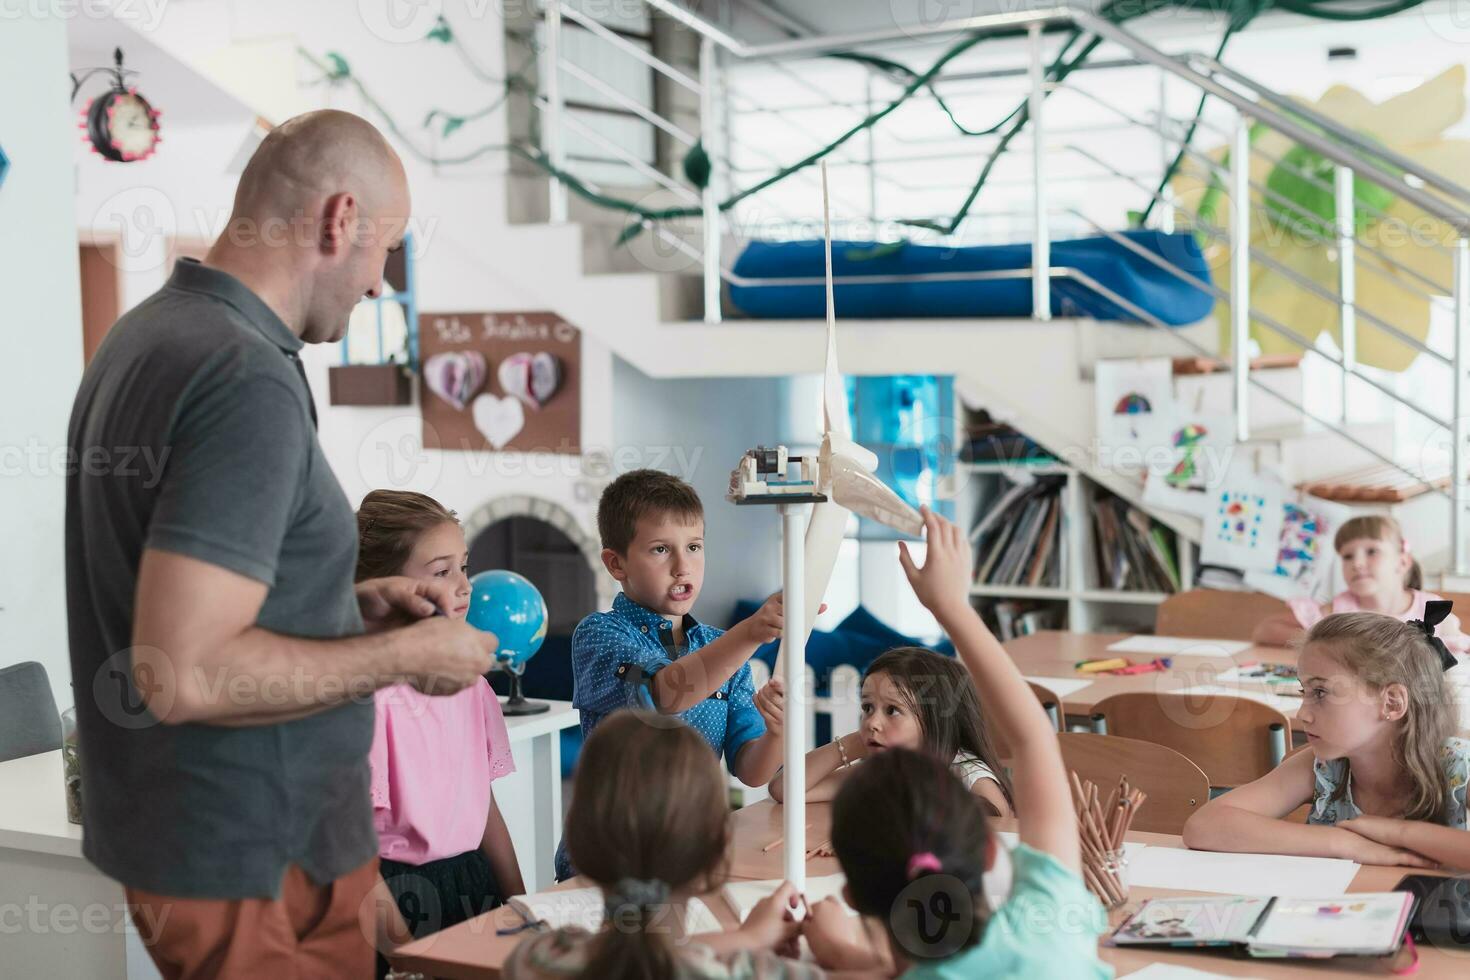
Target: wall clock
(120, 124)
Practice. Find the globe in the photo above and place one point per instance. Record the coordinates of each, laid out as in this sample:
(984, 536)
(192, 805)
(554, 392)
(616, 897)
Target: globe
(508, 605)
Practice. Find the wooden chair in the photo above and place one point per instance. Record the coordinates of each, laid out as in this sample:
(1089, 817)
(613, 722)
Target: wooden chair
(1176, 787)
(1234, 740)
(1215, 613)
(1050, 702)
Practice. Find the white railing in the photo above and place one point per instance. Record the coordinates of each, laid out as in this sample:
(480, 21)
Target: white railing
(1353, 158)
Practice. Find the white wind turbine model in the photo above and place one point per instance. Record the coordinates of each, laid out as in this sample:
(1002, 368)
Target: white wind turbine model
(837, 481)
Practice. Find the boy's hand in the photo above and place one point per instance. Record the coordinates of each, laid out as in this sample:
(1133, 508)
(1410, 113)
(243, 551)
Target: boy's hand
(764, 625)
(943, 583)
(770, 701)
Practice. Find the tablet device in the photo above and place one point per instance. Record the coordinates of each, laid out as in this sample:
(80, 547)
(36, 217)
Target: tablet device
(1442, 914)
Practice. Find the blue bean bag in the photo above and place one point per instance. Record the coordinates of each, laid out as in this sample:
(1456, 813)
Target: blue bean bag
(1112, 264)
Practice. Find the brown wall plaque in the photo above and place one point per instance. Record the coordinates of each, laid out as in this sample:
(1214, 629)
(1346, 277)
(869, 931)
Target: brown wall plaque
(529, 398)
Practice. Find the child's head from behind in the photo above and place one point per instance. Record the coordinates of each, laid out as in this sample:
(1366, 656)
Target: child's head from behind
(1371, 683)
(649, 818)
(400, 532)
(916, 699)
(652, 527)
(1375, 557)
(904, 829)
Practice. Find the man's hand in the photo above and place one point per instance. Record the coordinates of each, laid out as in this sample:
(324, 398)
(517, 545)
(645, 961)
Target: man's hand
(770, 701)
(387, 603)
(444, 656)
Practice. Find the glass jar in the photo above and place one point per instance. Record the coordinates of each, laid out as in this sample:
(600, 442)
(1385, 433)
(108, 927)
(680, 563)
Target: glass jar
(1115, 867)
(71, 765)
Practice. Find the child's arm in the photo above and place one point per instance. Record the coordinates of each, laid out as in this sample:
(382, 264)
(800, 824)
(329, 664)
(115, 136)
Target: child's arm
(1448, 846)
(695, 676)
(1043, 793)
(496, 844)
(1250, 818)
(756, 757)
(1277, 630)
(824, 771)
(989, 793)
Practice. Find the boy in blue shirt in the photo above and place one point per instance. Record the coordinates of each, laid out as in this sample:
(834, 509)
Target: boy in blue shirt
(649, 652)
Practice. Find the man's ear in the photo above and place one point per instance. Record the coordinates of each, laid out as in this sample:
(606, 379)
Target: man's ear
(338, 222)
(1395, 701)
(613, 562)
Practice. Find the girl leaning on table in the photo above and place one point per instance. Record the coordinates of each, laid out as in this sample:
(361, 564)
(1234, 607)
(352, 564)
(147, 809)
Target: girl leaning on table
(914, 844)
(913, 698)
(1386, 773)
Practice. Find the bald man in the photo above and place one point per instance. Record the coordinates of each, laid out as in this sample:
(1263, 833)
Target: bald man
(223, 660)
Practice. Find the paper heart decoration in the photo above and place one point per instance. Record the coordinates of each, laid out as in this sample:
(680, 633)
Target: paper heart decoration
(456, 376)
(533, 378)
(498, 419)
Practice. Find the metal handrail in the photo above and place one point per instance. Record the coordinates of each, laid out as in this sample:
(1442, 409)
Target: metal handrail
(1352, 155)
(627, 46)
(1346, 135)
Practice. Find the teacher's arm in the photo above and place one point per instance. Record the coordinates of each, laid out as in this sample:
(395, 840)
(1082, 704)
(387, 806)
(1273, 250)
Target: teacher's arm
(198, 656)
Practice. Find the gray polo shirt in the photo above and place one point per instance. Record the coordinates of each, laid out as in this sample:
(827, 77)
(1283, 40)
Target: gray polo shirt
(193, 433)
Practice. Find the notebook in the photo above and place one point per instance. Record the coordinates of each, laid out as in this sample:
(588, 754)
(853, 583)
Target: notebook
(583, 907)
(743, 895)
(1367, 924)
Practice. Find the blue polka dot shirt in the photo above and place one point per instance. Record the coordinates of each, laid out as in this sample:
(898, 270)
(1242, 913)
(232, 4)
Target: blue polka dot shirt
(616, 654)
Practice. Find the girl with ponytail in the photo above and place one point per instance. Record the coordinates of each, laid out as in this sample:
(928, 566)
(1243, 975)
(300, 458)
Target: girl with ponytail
(649, 824)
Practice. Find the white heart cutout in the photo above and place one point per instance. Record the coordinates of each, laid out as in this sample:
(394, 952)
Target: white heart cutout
(499, 419)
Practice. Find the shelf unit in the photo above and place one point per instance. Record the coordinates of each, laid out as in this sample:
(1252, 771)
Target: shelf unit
(1089, 605)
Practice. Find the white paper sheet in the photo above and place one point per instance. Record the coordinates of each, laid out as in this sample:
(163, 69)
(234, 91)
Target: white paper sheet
(1240, 874)
(744, 895)
(1167, 971)
(1163, 646)
(1061, 686)
(1285, 704)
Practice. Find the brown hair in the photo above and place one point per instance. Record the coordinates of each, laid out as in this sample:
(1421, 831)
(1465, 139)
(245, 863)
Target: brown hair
(1379, 527)
(389, 523)
(1381, 650)
(898, 805)
(649, 816)
(637, 494)
(941, 694)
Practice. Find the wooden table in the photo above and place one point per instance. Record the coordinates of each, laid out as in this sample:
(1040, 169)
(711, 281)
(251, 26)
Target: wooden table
(472, 950)
(1055, 653)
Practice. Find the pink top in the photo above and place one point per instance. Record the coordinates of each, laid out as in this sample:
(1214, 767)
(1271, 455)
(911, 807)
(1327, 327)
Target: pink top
(1309, 614)
(432, 762)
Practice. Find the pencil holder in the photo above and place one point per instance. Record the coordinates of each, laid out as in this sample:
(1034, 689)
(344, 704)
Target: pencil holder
(1101, 829)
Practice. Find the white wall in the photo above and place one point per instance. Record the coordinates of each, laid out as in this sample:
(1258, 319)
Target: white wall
(42, 327)
(698, 430)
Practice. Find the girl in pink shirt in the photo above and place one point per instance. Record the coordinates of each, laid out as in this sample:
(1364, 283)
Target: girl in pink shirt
(444, 851)
(1381, 577)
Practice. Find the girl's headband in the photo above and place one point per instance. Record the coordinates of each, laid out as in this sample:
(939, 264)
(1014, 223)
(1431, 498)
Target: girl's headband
(1435, 612)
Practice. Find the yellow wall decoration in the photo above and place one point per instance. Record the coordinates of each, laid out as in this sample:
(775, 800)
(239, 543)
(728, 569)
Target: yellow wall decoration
(1403, 255)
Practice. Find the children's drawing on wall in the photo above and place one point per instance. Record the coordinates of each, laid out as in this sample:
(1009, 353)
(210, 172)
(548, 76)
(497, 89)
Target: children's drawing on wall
(1193, 464)
(1243, 527)
(1135, 410)
(1304, 557)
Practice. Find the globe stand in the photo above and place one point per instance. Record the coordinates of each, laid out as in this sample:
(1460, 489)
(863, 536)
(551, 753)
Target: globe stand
(517, 704)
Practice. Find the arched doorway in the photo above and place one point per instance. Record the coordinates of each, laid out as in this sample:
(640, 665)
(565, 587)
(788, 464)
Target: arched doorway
(544, 542)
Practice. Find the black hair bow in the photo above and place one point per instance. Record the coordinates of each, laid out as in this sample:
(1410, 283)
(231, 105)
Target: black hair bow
(1434, 614)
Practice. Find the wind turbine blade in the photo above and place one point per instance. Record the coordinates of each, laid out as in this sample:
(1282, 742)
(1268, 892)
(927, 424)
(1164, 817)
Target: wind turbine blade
(834, 392)
(824, 533)
(863, 493)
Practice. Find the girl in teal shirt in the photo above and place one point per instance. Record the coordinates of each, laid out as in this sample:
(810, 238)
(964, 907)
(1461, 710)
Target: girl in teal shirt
(915, 845)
